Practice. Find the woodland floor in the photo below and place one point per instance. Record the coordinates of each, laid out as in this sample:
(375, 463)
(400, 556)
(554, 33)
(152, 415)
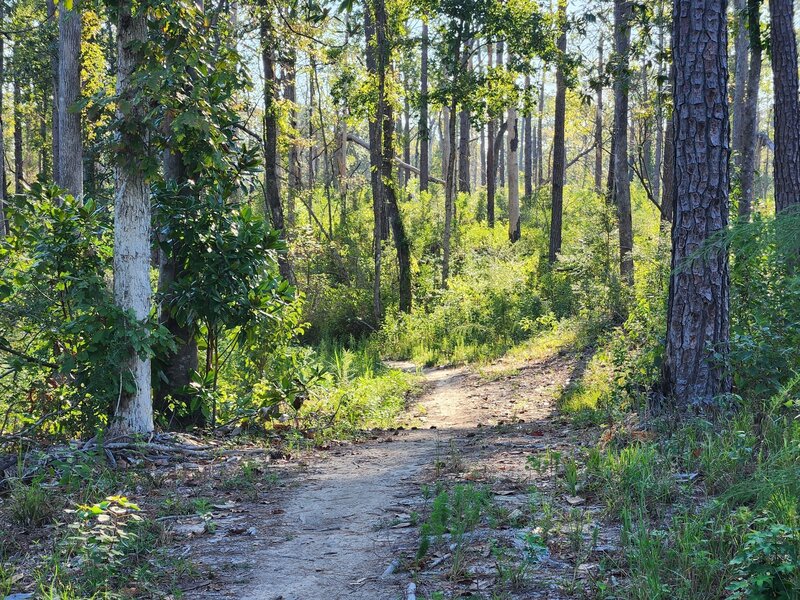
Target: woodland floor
(342, 522)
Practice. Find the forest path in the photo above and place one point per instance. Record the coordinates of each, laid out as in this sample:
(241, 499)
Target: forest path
(347, 517)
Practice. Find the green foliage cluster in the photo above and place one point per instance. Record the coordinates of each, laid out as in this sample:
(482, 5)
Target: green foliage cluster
(63, 335)
(491, 305)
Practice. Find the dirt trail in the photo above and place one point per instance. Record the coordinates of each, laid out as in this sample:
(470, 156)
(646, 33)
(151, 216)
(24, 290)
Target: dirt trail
(346, 518)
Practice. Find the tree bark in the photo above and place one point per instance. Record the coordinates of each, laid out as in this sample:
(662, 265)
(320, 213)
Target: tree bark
(598, 121)
(539, 134)
(513, 176)
(449, 196)
(698, 319)
(54, 51)
(559, 150)
(295, 172)
(622, 190)
(787, 107)
(407, 136)
(659, 153)
(463, 150)
(491, 180)
(500, 147)
(424, 134)
(3, 184)
(70, 140)
(133, 413)
(376, 66)
(272, 195)
(741, 45)
(447, 143)
(401, 242)
(668, 170)
(749, 115)
(19, 176)
(528, 148)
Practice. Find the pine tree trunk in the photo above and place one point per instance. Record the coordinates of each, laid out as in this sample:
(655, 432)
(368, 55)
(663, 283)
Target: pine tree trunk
(463, 150)
(513, 176)
(3, 183)
(407, 135)
(449, 196)
(787, 106)
(19, 176)
(659, 152)
(482, 157)
(424, 133)
(559, 151)
(401, 242)
(741, 45)
(539, 133)
(749, 115)
(491, 132)
(447, 145)
(499, 144)
(376, 67)
(698, 319)
(622, 190)
(668, 170)
(272, 195)
(598, 122)
(51, 15)
(528, 148)
(133, 413)
(70, 141)
(295, 172)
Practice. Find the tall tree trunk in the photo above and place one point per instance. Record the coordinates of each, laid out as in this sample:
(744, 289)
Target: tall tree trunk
(295, 172)
(3, 184)
(450, 183)
(19, 176)
(133, 412)
(401, 242)
(447, 144)
(272, 195)
(528, 148)
(659, 156)
(482, 157)
(698, 319)
(407, 135)
(668, 170)
(622, 190)
(424, 133)
(449, 196)
(749, 116)
(463, 150)
(51, 15)
(499, 144)
(539, 132)
(70, 140)
(513, 176)
(787, 107)
(491, 132)
(741, 45)
(559, 151)
(376, 66)
(598, 121)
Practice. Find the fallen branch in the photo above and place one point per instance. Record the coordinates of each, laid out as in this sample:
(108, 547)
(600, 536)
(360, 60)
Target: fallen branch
(358, 141)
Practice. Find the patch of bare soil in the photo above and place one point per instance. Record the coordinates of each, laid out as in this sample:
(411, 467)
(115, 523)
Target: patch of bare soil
(346, 523)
